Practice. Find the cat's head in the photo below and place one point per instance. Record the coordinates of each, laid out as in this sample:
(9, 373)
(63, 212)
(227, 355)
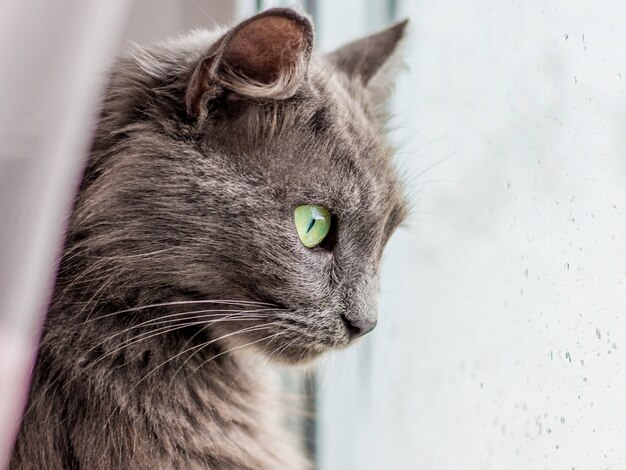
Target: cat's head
(210, 147)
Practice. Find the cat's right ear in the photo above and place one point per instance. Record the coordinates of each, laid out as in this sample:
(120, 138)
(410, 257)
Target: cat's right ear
(264, 57)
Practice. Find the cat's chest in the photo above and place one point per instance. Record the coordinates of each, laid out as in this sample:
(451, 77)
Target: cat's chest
(233, 423)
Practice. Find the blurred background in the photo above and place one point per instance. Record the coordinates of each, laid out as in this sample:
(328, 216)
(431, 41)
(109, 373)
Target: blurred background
(501, 340)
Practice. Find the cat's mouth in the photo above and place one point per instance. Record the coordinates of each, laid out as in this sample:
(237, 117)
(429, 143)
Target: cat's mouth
(297, 345)
(301, 352)
(283, 334)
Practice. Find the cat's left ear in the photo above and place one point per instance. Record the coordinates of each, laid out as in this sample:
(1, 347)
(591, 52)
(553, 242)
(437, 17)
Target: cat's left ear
(264, 57)
(373, 60)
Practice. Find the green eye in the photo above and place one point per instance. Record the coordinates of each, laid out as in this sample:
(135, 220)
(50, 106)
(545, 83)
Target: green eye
(312, 224)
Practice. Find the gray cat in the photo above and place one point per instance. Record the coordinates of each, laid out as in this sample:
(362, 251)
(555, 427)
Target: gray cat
(234, 209)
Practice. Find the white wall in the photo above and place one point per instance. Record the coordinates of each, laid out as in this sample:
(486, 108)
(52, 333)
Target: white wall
(502, 339)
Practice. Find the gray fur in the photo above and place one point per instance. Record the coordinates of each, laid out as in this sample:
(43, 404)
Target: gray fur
(178, 209)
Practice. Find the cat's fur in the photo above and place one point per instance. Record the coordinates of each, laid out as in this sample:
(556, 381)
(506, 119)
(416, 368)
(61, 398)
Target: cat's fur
(204, 147)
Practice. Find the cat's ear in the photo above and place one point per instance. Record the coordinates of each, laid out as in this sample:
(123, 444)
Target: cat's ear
(373, 60)
(264, 57)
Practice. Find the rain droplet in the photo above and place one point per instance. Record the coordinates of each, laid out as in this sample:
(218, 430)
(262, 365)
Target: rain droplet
(565, 37)
(619, 76)
(568, 357)
(562, 420)
(598, 333)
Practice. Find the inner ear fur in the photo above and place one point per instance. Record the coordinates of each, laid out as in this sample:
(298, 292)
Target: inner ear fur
(264, 57)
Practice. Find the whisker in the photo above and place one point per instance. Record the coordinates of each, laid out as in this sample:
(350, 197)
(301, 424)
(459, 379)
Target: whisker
(191, 355)
(198, 332)
(168, 329)
(280, 325)
(188, 302)
(139, 338)
(203, 345)
(268, 325)
(279, 350)
(236, 348)
(175, 317)
(233, 315)
(377, 134)
(433, 165)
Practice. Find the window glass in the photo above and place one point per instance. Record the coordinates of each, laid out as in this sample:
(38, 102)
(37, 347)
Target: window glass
(501, 336)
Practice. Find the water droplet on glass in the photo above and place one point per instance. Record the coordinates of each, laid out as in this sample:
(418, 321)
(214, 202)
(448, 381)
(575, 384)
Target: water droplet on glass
(568, 357)
(562, 420)
(565, 37)
(619, 76)
(598, 333)
(549, 431)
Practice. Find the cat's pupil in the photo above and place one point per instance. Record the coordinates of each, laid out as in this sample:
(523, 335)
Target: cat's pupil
(310, 225)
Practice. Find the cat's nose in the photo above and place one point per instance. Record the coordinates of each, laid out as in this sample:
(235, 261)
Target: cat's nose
(358, 327)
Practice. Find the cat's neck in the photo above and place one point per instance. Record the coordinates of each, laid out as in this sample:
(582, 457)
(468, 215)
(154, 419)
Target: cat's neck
(155, 403)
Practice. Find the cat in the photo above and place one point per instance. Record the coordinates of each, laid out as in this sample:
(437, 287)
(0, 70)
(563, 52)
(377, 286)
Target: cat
(234, 208)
